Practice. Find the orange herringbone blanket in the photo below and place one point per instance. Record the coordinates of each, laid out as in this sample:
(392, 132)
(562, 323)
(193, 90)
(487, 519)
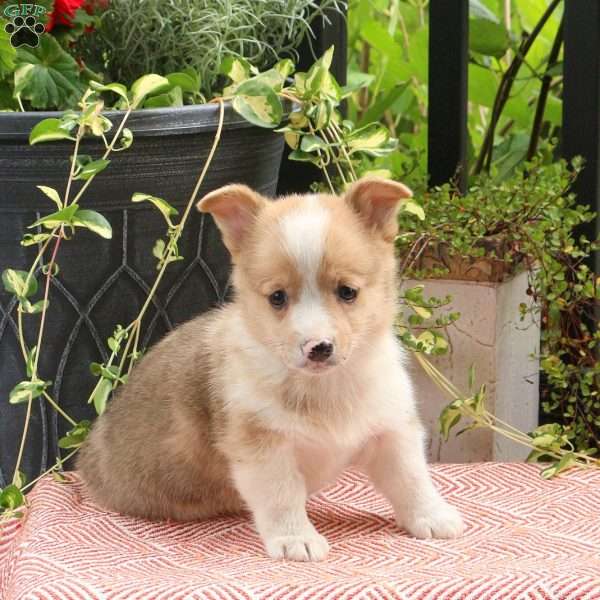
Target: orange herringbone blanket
(525, 538)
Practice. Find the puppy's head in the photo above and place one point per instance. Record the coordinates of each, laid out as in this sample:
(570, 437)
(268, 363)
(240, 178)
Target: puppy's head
(314, 274)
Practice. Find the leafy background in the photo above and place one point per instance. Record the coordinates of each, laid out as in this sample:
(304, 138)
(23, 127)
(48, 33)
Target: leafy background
(388, 49)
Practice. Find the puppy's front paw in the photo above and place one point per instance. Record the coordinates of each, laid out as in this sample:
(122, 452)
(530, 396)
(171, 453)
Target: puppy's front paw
(309, 546)
(437, 520)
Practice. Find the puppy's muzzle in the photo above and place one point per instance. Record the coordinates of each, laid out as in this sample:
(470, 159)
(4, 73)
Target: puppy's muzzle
(318, 351)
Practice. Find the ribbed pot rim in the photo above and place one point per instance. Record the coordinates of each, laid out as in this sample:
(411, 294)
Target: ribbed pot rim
(145, 122)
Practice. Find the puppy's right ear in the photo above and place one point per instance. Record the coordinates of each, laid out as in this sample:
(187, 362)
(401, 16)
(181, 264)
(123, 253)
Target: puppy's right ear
(234, 208)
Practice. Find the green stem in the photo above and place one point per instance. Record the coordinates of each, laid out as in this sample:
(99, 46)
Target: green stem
(54, 467)
(137, 322)
(46, 294)
(323, 165)
(58, 409)
(335, 159)
(27, 280)
(338, 136)
(78, 137)
(23, 438)
(489, 420)
(106, 153)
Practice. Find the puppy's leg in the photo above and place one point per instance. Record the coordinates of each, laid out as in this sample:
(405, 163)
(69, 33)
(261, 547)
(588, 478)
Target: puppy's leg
(275, 492)
(395, 461)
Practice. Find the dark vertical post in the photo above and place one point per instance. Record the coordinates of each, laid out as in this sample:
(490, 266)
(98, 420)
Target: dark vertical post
(297, 176)
(581, 101)
(448, 70)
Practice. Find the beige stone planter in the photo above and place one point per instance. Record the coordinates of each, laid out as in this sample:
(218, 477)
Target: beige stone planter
(490, 336)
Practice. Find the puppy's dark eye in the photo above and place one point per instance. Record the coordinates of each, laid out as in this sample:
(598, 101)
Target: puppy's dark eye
(278, 299)
(346, 293)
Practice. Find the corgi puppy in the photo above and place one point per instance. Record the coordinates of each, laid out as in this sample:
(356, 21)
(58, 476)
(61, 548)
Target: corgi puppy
(261, 403)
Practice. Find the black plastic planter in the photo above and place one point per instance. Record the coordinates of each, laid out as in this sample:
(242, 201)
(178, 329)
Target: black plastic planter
(104, 282)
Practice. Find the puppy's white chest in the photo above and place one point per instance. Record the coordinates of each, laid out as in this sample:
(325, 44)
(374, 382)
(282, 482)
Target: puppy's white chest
(320, 464)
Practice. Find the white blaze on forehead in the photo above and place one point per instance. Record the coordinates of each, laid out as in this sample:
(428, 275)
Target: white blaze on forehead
(303, 233)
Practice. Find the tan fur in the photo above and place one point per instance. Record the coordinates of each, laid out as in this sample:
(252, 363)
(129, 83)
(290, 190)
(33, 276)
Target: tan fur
(226, 413)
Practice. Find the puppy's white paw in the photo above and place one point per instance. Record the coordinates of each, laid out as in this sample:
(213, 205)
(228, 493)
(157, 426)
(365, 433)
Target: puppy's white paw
(436, 520)
(307, 546)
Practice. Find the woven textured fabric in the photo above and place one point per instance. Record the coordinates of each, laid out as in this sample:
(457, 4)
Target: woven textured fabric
(525, 538)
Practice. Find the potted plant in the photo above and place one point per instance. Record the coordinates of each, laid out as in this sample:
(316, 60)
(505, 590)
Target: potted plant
(507, 255)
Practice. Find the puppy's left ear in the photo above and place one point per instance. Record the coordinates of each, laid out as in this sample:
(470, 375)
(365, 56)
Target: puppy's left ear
(376, 202)
(234, 208)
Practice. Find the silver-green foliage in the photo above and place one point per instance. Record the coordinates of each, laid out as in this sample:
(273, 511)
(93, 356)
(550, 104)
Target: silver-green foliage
(157, 36)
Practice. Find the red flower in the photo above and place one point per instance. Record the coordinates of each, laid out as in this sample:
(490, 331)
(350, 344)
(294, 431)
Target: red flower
(63, 13)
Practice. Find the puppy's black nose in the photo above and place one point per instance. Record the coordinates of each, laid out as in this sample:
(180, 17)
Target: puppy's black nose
(321, 352)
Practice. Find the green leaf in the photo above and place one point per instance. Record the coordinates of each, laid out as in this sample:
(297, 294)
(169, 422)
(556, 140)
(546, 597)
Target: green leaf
(52, 194)
(163, 206)
(319, 81)
(188, 80)
(414, 209)
(271, 78)
(301, 156)
(92, 168)
(292, 139)
(47, 76)
(159, 249)
(477, 9)
(126, 138)
(148, 85)
(566, 462)
(69, 120)
(31, 355)
(376, 110)
(534, 456)
(449, 417)
(36, 238)
(61, 217)
(76, 436)
(101, 395)
(173, 97)
(7, 52)
(424, 313)
(96, 369)
(48, 130)
(355, 81)
(99, 370)
(310, 143)
(19, 479)
(236, 68)
(11, 497)
(15, 282)
(487, 37)
(25, 390)
(543, 441)
(258, 104)
(321, 113)
(116, 88)
(93, 221)
(285, 67)
(35, 308)
(556, 70)
(93, 119)
(373, 139)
